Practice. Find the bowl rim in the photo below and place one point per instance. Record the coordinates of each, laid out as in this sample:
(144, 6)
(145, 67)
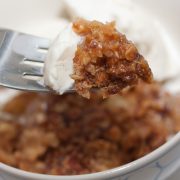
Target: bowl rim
(115, 172)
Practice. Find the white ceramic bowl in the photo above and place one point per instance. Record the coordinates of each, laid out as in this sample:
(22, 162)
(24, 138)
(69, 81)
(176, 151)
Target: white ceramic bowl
(155, 166)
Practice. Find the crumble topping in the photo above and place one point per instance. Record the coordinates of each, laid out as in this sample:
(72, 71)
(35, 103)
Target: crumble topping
(106, 60)
(70, 135)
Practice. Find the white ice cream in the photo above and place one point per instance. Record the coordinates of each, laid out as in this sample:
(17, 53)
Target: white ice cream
(59, 61)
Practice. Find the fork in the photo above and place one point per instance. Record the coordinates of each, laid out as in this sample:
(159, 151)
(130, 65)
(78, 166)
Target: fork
(21, 60)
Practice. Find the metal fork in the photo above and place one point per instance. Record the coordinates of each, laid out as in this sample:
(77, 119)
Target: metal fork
(22, 60)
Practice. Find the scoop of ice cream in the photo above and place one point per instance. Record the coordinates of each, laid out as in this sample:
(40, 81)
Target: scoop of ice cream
(59, 61)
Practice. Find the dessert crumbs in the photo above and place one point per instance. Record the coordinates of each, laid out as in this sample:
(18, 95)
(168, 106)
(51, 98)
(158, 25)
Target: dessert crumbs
(70, 135)
(105, 60)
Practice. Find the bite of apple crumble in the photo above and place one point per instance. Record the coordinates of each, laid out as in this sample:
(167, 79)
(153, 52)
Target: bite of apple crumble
(105, 60)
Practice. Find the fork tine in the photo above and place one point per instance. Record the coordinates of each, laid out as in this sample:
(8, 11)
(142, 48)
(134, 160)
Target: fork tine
(16, 81)
(37, 57)
(16, 52)
(42, 48)
(32, 69)
(27, 46)
(43, 43)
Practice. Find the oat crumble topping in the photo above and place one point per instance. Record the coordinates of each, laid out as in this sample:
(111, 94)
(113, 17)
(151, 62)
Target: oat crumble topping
(70, 135)
(106, 60)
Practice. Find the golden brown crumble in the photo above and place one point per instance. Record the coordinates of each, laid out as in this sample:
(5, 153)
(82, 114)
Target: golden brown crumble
(106, 60)
(68, 135)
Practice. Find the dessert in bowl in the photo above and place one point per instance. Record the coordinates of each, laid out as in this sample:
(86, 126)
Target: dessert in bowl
(159, 163)
(71, 137)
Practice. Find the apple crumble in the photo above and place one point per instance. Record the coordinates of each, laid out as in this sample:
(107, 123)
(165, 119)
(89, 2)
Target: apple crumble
(105, 60)
(70, 135)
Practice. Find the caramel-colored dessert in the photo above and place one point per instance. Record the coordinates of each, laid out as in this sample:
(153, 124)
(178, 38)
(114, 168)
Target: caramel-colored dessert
(106, 60)
(70, 135)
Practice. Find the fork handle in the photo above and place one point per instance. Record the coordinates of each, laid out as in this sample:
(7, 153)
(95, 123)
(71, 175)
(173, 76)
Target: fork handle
(5, 37)
(2, 36)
